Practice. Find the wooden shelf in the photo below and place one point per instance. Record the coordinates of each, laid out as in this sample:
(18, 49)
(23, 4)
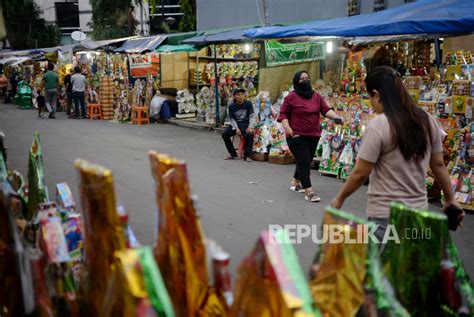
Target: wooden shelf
(233, 83)
(200, 85)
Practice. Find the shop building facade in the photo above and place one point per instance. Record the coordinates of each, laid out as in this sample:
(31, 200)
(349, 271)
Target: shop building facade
(72, 16)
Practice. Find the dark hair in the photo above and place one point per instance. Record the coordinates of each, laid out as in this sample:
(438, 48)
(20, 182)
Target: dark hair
(409, 125)
(50, 66)
(77, 69)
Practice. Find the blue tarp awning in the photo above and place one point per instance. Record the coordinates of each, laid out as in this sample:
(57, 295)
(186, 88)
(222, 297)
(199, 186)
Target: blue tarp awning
(141, 45)
(444, 17)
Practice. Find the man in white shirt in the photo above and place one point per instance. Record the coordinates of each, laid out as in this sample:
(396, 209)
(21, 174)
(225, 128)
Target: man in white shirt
(79, 84)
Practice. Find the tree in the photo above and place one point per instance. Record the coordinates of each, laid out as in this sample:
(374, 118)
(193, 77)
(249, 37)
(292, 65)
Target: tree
(24, 27)
(188, 21)
(111, 19)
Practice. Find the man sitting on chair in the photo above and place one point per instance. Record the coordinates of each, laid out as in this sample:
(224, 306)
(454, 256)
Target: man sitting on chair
(242, 123)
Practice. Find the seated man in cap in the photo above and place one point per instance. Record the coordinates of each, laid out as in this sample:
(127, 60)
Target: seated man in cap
(242, 121)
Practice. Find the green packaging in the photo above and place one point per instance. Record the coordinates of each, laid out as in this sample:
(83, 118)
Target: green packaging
(37, 191)
(417, 266)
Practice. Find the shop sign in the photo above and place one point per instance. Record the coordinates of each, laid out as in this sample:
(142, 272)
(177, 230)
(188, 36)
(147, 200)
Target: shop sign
(141, 64)
(277, 53)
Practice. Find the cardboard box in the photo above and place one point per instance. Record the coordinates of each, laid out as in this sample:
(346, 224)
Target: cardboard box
(461, 87)
(459, 104)
(415, 94)
(64, 197)
(281, 159)
(413, 82)
(260, 157)
(469, 108)
(452, 71)
(471, 73)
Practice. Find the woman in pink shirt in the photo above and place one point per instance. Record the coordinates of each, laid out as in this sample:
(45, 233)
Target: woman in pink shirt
(300, 114)
(399, 145)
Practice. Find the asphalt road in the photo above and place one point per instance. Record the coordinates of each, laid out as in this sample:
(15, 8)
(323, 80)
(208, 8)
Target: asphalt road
(237, 200)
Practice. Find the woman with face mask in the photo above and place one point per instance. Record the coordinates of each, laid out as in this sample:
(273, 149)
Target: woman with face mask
(399, 145)
(300, 115)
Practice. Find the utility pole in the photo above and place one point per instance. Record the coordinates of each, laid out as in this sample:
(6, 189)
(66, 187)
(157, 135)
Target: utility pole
(163, 22)
(142, 32)
(265, 12)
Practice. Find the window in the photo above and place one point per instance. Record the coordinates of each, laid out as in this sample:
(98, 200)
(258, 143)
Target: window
(169, 12)
(67, 14)
(379, 5)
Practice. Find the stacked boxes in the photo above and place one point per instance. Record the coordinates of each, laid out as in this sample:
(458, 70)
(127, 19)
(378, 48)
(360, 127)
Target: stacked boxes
(461, 96)
(107, 97)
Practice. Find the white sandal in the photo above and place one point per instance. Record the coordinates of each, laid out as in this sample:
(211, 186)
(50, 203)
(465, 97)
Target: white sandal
(312, 197)
(297, 188)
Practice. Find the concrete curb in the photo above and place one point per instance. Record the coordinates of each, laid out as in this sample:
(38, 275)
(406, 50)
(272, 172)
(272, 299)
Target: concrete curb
(194, 125)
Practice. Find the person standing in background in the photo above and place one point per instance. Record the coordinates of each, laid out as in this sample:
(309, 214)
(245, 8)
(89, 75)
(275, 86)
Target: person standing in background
(79, 83)
(14, 79)
(41, 102)
(68, 89)
(51, 82)
(3, 84)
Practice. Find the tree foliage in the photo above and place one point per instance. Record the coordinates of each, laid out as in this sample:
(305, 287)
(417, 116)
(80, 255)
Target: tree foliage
(24, 27)
(112, 19)
(188, 22)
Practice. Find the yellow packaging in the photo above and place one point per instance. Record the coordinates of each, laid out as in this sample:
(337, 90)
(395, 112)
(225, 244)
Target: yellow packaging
(415, 94)
(459, 104)
(452, 71)
(103, 232)
(179, 251)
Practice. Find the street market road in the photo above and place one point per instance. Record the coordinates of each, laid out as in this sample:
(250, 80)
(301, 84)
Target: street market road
(237, 200)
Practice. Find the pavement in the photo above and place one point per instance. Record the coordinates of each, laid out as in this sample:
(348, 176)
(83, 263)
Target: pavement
(237, 199)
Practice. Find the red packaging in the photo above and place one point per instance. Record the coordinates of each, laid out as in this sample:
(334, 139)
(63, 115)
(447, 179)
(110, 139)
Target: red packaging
(43, 300)
(220, 267)
(448, 280)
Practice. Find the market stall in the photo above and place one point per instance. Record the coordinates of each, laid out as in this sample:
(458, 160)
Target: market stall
(408, 38)
(120, 74)
(232, 60)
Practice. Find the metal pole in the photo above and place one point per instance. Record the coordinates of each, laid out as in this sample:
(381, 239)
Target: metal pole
(189, 72)
(141, 18)
(265, 12)
(216, 86)
(197, 71)
(438, 53)
(163, 13)
(321, 69)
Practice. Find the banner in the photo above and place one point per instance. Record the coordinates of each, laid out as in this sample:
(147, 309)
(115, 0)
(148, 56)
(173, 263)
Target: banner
(64, 58)
(140, 64)
(277, 53)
